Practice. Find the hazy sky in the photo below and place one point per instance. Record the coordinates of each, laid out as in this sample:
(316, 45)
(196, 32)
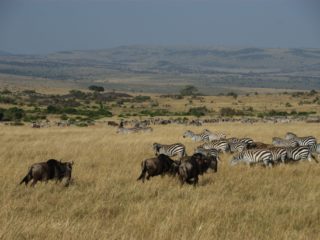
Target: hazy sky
(42, 26)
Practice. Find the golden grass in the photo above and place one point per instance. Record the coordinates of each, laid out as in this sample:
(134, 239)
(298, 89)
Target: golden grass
(106, 201)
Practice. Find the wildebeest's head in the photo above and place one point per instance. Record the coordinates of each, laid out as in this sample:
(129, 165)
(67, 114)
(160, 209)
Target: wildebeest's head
(187, 133)
(156, 148)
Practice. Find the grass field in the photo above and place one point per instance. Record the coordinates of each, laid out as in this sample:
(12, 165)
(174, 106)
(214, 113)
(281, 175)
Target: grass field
(106, 202)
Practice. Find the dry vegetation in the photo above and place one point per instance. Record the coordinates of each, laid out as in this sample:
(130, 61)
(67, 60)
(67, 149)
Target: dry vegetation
(106, 202)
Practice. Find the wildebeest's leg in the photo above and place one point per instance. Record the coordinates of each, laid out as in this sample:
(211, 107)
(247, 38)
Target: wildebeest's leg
(34, 181)
(196, 179)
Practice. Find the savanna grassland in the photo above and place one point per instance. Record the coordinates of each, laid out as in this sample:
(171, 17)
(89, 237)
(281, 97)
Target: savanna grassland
(106, 202)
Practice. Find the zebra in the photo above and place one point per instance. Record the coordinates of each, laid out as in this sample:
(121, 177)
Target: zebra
(279, 142)
(237, 146)
(253, 156)
(208, 152)
(315, 149)
(214, 136)
(302, 141)
(248, 141)
(196, 137)
(300, 153)
(127, 130)
(220, 145)
(278, 154)
(176, 149)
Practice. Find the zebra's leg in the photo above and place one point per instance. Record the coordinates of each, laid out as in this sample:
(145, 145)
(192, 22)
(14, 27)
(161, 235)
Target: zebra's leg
(315, 158)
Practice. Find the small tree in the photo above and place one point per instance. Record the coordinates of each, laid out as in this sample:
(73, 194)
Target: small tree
(96, 88)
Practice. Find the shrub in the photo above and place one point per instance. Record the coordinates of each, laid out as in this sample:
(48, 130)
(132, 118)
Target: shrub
(96, 88)
(198, 111)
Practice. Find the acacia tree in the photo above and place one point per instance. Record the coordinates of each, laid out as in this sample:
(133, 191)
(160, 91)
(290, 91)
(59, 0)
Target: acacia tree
(96, 88)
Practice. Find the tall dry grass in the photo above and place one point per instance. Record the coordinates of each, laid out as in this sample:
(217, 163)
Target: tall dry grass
(106, 202)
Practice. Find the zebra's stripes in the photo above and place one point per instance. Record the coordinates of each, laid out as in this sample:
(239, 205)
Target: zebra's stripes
(237, 147)
(176, 149)
(278, 154)
(252, 157)
(247, 141)
(300, 153)
(214, 135)
(220, 145)
(208, 152)
(302, 141)
(202, 137)
(279, 142)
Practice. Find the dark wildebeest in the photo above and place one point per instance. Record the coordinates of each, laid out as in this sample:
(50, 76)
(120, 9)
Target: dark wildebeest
(51, 169)
(159, 165)
(194, 166)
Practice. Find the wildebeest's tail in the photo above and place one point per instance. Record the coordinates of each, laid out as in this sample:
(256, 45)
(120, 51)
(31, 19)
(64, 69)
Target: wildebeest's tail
(27, 178)
(143, 171)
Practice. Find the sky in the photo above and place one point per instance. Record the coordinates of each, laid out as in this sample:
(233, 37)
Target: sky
(44, 26)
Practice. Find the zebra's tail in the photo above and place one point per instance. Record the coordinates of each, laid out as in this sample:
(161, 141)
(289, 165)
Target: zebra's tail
(143, 171)
(27, 178)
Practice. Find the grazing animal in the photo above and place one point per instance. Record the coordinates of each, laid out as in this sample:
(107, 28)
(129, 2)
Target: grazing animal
(253, 156)
(302, 141)
(176, 149)
(279, 142)
(220, 145)
(202, 137)
(300, 153)
(214, 135)
(197, 164)
(159, 165)
(51, 169)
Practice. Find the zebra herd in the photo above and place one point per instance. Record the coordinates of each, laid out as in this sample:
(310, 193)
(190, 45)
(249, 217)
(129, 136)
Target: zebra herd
(291, 148)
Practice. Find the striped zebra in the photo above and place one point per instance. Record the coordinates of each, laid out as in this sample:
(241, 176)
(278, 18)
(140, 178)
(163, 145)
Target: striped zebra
(279, 142)
(208, 152)
(214, 135)
(237, 146)
(220, 145)
(300, 153)
(278, 154)
(202, 137)
(252, 157)
(247, 141)
(302, 141)
(176, 149)
(315, 149)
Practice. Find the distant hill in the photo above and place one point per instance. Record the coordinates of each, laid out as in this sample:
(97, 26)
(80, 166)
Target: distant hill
(166, 68)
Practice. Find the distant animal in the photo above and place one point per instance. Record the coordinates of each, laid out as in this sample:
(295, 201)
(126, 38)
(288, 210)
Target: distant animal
(112, 123)
(195, 165)
(260, 145)
(220, 145)
(214, 135)
(253, 156)
(49, 170)
(159, 165)
(176, 149)
(196, 137)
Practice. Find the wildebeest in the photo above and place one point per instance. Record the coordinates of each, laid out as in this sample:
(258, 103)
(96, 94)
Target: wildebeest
(51, 169)
(159, 165)
(192, 167)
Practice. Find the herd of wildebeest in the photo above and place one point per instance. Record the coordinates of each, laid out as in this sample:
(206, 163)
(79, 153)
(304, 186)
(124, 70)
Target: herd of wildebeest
(206, 156)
